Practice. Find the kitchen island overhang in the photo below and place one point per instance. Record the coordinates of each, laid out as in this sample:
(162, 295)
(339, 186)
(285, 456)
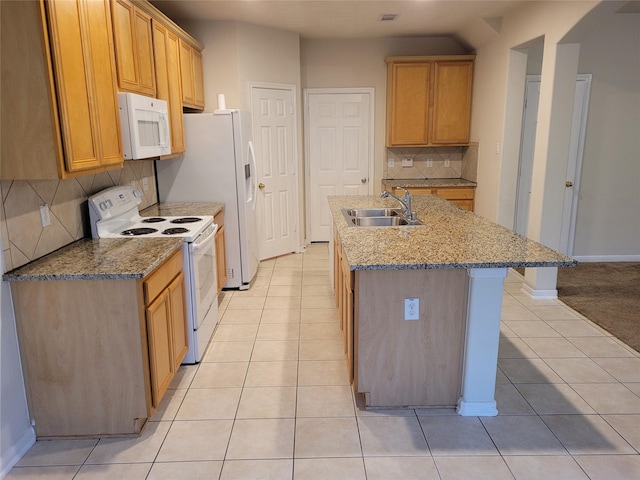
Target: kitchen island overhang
(450, 238)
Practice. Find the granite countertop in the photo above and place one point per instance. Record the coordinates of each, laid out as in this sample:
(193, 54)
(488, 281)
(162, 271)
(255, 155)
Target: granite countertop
(427, 182)
(112, 259)
(99, 259)
(450, 238)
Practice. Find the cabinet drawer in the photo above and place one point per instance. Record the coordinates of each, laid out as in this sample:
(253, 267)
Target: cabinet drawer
(158, 280)
(413, 190)
(455, 193)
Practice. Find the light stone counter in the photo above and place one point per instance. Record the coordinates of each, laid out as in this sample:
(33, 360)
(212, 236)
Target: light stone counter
(183, 208)
(450, 238)
(427, 182)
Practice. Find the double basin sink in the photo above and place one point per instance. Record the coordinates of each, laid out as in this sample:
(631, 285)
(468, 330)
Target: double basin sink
(376, 217)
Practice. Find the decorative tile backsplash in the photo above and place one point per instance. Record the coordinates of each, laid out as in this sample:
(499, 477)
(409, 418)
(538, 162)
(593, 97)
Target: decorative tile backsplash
(24, 238)
(432, 162)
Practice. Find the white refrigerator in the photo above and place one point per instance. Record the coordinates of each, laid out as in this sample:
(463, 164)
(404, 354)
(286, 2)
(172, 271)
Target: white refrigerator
(219, 166)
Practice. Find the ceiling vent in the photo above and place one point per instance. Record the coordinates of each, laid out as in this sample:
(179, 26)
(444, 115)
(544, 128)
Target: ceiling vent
(388, 17)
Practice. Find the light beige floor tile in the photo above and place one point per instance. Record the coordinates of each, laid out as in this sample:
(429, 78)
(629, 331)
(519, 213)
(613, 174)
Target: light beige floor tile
(634, 387)
(527, 300)
(290, 260)
(325, 401)
(169, 405)
(506, 332)
(261, 438)
(327, 437)
(189, 470)
(587, 435)
(553, 312)
(316, 271)
(285, 291)
(400, 468)
(278, 331)
(628, 426)
(291, 315)
(531, 328)
(501, 377)
(272, 374)
(287, 270)
(225, 374)
(529, 370)
(553, 347)
(253, 291)
(240, 316)
(323, 372)
(246, 303)
(321, 350)
(454, 435)
(600, 347)
(515, 311)
(228, 352)
(609, 467)
(540, 467)
(209, 404)
(522, 435)
(554, 399)
(274, 351)
(320, 331)
(263, 279)
(183, 377)
(130, 471)
(626, 370)
(317, 290)
(287, 279)
(58, 452)
(131, 450)
(515, 348)
(324, 301)
(315, 280)
(196, 440)
(329, 468)
(510, 402)
(280, 303)
(236, 333)
(579, 370)
(267, 402)
(319, 315)
(407, 438)
(609, 398)
(575, 328)
(257, 470)
(316, 263)
(476, 468)
(64, 472)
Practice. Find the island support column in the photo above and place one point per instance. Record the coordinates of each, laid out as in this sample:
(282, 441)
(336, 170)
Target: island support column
(484, 307)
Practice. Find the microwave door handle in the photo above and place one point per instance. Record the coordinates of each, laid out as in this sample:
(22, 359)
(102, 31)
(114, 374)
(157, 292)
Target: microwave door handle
(165, 129)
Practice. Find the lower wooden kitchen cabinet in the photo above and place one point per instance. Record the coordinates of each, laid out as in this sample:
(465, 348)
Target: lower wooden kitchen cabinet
(99, 354)
(221, 251)
(461, 196)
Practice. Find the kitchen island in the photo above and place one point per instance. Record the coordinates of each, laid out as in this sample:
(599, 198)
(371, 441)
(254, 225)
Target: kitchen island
(420, 305)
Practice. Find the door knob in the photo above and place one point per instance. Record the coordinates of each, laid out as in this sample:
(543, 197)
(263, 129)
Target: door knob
(364, 180)
(261, 185)
(568, 183)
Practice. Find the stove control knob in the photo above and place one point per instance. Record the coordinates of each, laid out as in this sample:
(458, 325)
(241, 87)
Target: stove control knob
(103, 205)
(109, 204)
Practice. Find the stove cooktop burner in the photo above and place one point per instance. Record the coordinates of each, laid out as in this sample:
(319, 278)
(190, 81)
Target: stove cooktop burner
(186, 220)
(153, 220)
(132, 232)
(175, 231)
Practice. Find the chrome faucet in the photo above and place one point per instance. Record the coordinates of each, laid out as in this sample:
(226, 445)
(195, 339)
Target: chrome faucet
(406, 203)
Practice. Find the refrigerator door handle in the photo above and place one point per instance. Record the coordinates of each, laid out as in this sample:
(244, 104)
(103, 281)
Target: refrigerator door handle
(254, 179)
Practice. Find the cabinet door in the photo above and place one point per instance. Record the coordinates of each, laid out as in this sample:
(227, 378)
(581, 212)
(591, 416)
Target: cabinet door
(85, 76)
(198, 80)
(451, 102)
(159, 327)
(179, 335)
(167, 65)
(134, 50)
(221, 258)
(408, 86)
(186, 72)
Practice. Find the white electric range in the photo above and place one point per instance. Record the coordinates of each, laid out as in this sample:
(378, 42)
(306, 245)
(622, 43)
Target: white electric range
(113, 213)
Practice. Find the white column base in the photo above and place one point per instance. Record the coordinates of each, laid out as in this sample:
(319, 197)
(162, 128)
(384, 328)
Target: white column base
(539, 294)
(480, 362)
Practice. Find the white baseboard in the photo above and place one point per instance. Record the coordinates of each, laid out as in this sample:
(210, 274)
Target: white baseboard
(15, 452)
(539, 294)
(607, 258)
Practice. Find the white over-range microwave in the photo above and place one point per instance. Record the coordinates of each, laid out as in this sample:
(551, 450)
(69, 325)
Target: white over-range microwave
(145, 126)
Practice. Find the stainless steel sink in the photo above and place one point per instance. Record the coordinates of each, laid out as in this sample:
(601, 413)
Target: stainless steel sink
(376, 217)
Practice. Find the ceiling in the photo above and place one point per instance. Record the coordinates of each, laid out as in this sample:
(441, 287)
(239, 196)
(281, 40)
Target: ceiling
(344, 18)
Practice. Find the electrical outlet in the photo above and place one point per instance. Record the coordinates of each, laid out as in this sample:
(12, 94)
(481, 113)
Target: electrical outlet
(407, 162)
(391, 162)
(45, 215)
(145, 183)
(429, 162)
(447, 163)
(411, 308)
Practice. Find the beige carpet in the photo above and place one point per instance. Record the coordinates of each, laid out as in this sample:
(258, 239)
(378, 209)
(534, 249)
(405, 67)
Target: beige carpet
(607, 294)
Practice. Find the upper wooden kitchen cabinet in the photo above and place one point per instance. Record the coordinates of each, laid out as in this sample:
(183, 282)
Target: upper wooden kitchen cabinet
(192, 76)
(134, 48)
(166, 49)
(59, 106)
(429, 100)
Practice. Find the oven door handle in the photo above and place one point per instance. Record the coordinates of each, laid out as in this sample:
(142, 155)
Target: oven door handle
(204, 241)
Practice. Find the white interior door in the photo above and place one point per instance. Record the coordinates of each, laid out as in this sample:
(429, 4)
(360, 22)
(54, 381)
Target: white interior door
(273, 112)
(339, 151)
